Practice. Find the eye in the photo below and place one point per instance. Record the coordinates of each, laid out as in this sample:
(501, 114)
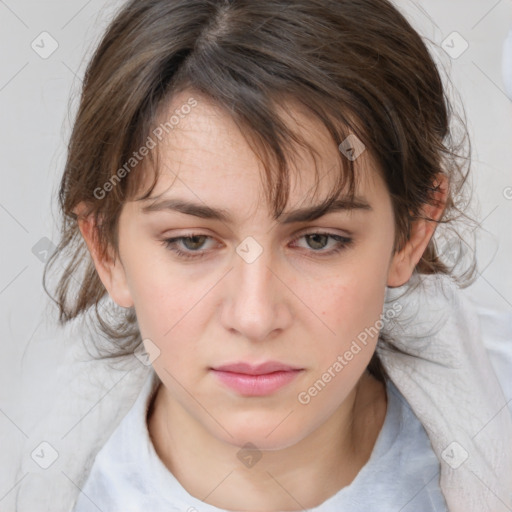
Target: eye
(319, 240)
(192, 244)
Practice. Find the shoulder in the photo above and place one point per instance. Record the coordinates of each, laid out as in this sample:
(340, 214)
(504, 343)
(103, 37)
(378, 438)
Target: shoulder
(110, 481)
(496, 336)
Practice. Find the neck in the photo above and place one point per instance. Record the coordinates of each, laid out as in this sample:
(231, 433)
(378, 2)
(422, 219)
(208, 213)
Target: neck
(302, 475)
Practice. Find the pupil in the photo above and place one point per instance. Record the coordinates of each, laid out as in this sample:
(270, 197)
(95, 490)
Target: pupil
(315, 238)
(196, 240)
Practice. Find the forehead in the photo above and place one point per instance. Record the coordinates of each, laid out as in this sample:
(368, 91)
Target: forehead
(207, 158)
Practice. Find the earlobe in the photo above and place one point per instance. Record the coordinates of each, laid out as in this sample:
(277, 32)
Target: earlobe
(404, 261)
(398, 273)
(110, 269)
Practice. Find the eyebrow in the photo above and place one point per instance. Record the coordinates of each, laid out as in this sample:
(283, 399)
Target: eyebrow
(306, 214)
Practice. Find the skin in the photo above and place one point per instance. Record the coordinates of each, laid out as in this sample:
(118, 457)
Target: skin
(291, 305)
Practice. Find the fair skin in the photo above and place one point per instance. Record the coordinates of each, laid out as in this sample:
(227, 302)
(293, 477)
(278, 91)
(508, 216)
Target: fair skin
(291, 304)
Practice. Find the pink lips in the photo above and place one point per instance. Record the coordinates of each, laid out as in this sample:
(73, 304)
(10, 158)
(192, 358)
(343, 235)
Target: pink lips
(256, 380)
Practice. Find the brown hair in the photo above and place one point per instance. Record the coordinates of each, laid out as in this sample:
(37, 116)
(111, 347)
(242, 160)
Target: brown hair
(356, 65)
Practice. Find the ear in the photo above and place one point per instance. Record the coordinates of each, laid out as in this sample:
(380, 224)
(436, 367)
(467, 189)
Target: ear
(110, 269)
(403, 262)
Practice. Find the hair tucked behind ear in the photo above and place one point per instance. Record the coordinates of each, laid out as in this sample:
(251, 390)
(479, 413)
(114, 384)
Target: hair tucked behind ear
(356, 65)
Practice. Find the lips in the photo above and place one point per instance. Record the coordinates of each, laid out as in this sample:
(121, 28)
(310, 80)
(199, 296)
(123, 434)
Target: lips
(256, 380)
(260, 369)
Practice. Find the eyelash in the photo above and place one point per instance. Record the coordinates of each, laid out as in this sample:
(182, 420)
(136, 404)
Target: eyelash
(170, 244)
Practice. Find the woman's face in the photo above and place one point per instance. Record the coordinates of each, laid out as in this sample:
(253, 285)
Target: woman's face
(249, 289)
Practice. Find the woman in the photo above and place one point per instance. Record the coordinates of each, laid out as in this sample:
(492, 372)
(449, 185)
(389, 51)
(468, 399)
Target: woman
(257, 286)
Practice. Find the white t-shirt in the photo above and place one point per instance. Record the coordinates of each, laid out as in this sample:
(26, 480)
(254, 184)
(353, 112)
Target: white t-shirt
(402, 473)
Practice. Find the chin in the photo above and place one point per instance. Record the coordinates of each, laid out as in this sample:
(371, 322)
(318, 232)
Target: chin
(264, 435)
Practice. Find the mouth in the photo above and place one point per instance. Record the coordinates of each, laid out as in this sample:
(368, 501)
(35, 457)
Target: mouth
(256, 380)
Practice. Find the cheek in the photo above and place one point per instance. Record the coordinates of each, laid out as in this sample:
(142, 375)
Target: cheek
(167, 310)
(353, 300)
(171, 317)
(165, 299)
(351, 306)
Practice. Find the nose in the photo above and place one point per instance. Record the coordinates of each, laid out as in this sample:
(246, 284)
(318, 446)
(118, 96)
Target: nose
(257, 305)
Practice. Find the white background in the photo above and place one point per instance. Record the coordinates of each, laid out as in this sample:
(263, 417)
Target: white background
(37, 101)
